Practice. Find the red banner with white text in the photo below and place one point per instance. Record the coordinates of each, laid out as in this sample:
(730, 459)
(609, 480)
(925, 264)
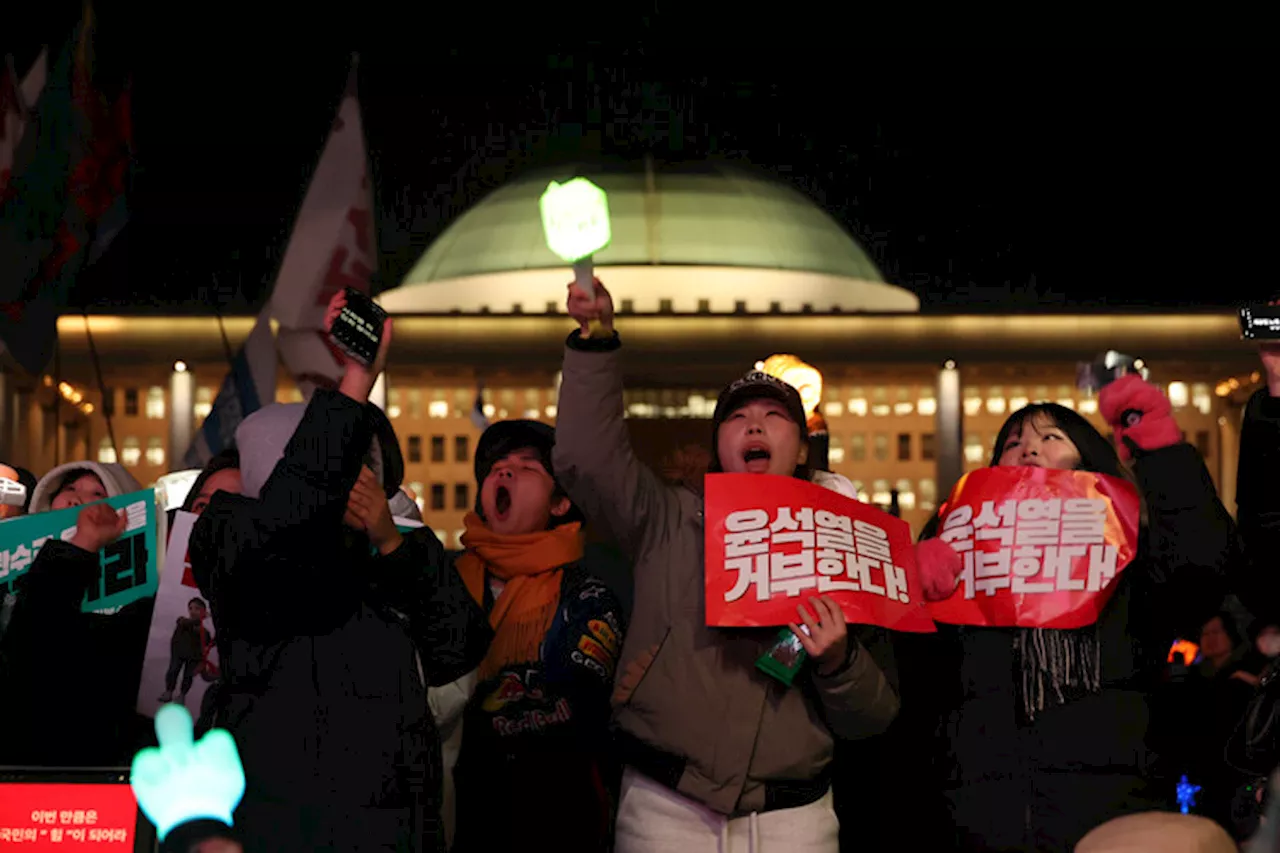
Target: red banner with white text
(774, 542)
(1041, 548)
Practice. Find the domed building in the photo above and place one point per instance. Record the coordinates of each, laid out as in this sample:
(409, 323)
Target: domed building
(707, 240)
(712, 269)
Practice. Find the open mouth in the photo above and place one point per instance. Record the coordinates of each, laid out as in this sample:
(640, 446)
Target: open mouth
(502, 501)
(756, 458)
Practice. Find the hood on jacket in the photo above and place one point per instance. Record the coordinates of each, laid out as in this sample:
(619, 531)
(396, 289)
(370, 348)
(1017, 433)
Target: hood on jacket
(263, 436)
(403, 506)
(114, 477)
(837, 483)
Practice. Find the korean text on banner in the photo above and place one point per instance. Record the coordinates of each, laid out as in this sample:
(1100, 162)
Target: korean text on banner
(72, 816)
(1041, 548)
(128, 565)
(772, 542)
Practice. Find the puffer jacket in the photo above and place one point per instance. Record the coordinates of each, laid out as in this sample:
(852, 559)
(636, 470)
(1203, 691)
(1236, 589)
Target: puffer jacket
(327, 651)
(693, 710)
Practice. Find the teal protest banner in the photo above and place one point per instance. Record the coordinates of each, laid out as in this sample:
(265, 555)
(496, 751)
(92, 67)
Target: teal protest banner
(128, 565)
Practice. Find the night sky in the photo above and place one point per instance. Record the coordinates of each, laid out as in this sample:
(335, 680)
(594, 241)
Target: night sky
(1034, 181)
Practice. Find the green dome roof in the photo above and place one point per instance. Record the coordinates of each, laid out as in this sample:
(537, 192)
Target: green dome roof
(708, 215)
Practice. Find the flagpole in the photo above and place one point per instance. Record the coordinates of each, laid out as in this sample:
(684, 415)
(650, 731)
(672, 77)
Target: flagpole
(107, 404)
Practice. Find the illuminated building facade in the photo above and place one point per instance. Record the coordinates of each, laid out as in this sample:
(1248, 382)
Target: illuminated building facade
(711, 271)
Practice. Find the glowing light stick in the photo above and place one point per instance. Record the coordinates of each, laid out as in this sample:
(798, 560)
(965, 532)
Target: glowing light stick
(575, 223)
(184, 780)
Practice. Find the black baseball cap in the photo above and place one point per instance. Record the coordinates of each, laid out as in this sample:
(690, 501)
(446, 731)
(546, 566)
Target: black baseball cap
(757, 385)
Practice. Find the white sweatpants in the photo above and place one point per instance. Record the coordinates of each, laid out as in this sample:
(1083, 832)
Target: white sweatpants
(652, 818)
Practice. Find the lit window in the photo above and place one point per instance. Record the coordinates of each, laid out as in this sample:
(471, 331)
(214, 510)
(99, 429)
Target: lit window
(489, 410)
(882, 447)
(972, 402)
(858, 447)
(155, 452)
(155, 403)
(974, 450)
(906, 495)
(551, 412)
(835, 450)
(833, 409)
(292, 395)
(415, 402)
(880, 493)
(532, 403)
(928, 494)
(1089, 406)
(418, 490)
(880, 401)
(928, 403)
(1201, 398)
(131, 454)
(1178, 394)
(861, 491)
(439, 406)
(1017, 399)
(903, 405)
(995, 400)
(393, 403)
(204, 404)
(464, 400)
(857, 402)
(1066, 397)
(1041, 394)
(106, 453)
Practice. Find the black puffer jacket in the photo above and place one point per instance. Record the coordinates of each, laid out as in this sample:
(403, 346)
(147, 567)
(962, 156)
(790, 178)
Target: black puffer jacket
(1012, 786)
(322, 687)
(1258, 499)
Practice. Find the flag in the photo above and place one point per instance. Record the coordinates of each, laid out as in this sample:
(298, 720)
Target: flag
(478, 417)
(18, 97)
(332, 246)
(69, 178)
(249, 386)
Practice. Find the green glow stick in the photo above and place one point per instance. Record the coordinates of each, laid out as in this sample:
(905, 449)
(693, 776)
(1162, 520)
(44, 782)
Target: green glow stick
(184, 780)
(575, 223)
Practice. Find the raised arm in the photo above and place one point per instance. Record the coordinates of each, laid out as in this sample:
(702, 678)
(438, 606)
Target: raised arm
(594, 460)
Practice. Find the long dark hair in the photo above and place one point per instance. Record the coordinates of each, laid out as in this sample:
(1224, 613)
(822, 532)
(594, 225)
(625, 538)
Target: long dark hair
(1096, 453)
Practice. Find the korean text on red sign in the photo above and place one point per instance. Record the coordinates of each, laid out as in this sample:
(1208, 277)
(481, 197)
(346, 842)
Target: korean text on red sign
(1040, 548)
(773, 542)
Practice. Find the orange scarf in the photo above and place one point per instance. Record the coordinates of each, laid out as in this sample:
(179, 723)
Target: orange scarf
(530, 565)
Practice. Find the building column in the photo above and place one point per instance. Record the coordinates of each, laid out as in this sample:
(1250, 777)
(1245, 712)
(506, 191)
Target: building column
(378, 394)
(182, 411)
(950, 428)
(1229, 455)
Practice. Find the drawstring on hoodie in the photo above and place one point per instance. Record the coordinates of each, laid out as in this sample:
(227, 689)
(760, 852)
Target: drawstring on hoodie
(753, 836)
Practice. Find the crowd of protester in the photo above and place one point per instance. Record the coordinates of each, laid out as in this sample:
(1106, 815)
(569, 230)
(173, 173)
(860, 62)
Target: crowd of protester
(385, 693)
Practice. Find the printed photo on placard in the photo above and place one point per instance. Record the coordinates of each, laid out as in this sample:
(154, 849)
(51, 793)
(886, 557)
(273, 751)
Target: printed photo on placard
(181, 661)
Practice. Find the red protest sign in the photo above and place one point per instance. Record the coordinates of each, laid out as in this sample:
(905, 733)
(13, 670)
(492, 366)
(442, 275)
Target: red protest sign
(1041, 548)
(773, 542)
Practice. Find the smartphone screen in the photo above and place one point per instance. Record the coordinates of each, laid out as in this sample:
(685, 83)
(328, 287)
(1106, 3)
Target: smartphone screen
(1260, 322)
(358, 329)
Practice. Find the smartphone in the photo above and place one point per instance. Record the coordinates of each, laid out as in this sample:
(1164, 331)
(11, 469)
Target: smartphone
(1107, 368)
(1260, 322)
(358, 329)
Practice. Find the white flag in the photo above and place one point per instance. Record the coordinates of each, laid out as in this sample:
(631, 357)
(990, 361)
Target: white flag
(332, 246)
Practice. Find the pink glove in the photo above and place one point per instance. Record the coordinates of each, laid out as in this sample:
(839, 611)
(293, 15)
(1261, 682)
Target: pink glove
(1140, 415)
(940, 566)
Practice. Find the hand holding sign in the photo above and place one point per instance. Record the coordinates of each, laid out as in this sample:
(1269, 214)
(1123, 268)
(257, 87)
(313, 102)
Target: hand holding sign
(575, 223)
(184, 780)
(98, 525)
(827, 636)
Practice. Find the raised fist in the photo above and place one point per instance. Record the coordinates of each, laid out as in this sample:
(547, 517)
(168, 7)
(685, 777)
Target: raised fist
(97, 526)
(586, 309)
